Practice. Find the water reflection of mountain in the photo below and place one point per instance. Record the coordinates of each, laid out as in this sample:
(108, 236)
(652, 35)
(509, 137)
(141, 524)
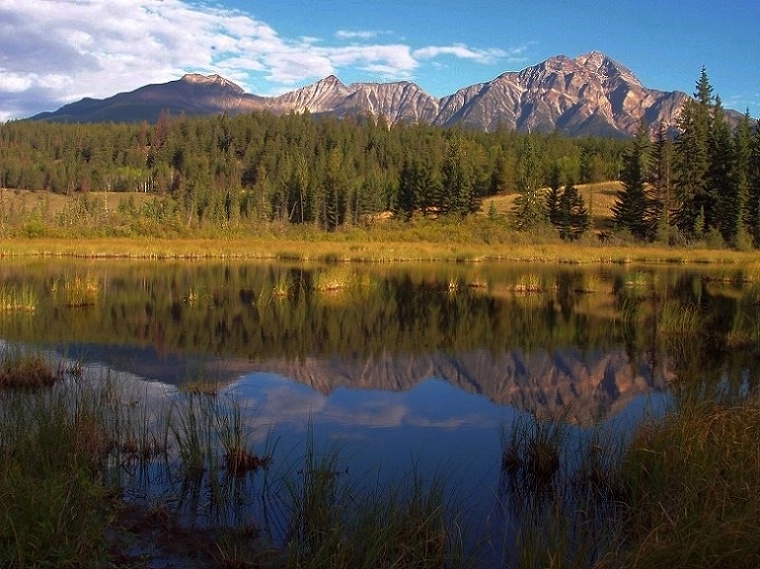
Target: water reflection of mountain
(593, 384)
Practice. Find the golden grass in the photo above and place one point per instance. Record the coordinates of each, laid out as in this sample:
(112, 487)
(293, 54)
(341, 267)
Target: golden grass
(473, 240)
(374, 252)
(599, 199)
(17, 299)
(53, 204)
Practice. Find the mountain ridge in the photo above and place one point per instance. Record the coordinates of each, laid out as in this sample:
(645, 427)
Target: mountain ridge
(591, 94)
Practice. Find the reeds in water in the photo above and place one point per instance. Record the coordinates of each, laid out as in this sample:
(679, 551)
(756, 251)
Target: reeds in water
(79, 290)
(17, 299)
(26, 371)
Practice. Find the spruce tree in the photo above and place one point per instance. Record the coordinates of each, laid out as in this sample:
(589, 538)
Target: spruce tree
(752, 206)
(528, 210)
(632, 208)
(724, 210)
(406, 200)
(458, 178)
(691, 158)
(574, 219)
(553, 195)
(740, 175)
(662, 163)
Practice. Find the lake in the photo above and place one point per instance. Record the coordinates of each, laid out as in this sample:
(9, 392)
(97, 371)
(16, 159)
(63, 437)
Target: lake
(403, 368)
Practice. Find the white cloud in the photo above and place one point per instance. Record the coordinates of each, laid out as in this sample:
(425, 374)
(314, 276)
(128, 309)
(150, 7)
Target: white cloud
(57, 51)
(359, 34)
(485, 56)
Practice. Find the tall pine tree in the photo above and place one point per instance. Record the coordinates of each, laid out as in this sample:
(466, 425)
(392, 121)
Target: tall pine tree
(724, 211)
(752, 206)
(528, 209)
(692, 160)
(632, 209)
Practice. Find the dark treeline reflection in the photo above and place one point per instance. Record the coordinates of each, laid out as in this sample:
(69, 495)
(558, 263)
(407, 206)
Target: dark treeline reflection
(682, 322)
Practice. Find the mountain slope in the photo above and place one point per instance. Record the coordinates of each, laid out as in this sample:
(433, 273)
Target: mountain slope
(193, 94)
(589, 95)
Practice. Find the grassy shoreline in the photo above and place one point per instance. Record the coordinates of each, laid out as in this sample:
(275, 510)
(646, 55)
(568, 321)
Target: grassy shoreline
(394, 249)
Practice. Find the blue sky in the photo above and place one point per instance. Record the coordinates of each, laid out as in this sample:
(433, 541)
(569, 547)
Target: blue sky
(57, 51)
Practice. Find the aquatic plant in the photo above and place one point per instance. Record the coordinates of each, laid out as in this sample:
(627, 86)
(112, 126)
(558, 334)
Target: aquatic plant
(17, 299)
(528, 283)
(79, 290)
(26, 371)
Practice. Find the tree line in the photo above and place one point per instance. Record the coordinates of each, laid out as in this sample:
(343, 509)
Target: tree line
(702, 183)
(297, 168)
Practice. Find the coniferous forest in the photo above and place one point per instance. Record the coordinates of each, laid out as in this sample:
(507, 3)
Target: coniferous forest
(700, 182)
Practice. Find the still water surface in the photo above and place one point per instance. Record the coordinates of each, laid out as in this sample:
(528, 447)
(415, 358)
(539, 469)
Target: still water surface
(403, 367)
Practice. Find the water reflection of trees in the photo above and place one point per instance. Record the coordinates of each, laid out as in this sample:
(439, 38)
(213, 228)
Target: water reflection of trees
(276, 311)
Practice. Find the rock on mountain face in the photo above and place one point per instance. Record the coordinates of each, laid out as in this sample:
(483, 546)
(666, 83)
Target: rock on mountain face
(589, 95)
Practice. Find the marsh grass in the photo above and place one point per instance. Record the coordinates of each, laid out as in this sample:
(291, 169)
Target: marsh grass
(69, 452)
(77, 291)
(192, 421)
(20, 370)
(678, 318)
(340, 278)
(693, 492)
(55, 501)
(592, 283)
(681, 492)
(238, 456)
(337, 523)
(17, 299)
(469, 241)
(556, 484)
(530, 283)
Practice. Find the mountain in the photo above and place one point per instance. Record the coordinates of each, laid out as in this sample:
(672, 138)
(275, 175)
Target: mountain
(589, 95)
(194, 94)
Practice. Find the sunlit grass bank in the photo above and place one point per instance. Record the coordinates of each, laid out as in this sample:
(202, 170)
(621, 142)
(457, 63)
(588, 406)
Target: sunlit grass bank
(395, 247)
(36, 229)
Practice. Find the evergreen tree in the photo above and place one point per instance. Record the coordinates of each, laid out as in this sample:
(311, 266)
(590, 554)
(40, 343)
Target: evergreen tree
(741, 175)
(528, 210)
(503, 173)
(724, 213)
(662, 163)
(458, 178)
(573, 216)
(752, 206)
(632, 209)
(553, 195)
(691, 159)
(406, 200)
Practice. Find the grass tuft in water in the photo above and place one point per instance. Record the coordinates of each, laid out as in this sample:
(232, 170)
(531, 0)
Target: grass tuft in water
(17, 299)
(26, 371)
(79, 290)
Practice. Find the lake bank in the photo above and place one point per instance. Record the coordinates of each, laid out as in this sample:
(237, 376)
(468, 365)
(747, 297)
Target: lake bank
(403, 248)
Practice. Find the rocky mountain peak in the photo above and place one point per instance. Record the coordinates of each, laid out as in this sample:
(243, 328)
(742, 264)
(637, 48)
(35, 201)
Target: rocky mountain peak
(607, 69)
(591, 94)
(198, 79)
